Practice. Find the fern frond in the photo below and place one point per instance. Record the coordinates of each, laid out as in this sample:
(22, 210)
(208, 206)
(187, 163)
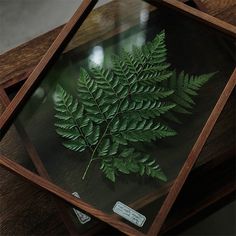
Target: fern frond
(186, 87)
(107, 82)
(108, 169)
(134, 66)
(76, 129)
(144, 109)
(124, 105)
(144, 93)
(155, 51)
(92, 98)
(122, 71)
(151, 77)
(107, 148)
(156, 67)
(134, 131)
(131, 161)
(139, 55)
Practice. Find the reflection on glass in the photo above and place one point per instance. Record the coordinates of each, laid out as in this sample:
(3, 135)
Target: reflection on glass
(13, 146)
(97, 56)
(144, 16)
(190, 47)
(116, 112)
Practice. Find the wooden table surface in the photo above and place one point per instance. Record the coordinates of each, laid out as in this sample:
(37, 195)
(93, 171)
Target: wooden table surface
(222, 9)
(25, 209)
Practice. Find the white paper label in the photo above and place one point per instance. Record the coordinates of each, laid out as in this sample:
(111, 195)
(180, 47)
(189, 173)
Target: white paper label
(129, 214)
(83, 218)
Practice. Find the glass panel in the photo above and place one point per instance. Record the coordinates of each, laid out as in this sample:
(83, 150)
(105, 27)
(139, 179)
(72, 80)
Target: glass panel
(192, 47)
(13, 147)
(216, 146)
(214, 171)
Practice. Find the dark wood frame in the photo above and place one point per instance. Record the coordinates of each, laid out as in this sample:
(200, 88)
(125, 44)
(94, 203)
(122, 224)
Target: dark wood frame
(41, 170)
(207, 166)
(199, 15)
(18, 101)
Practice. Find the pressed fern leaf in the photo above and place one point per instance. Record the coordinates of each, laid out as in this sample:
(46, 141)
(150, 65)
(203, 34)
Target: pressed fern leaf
(156, 67)
(129, 161)
(78, 130)
(124, 105)
(186, 87)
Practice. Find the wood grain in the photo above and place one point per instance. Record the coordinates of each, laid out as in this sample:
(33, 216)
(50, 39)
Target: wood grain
(27, 210)
(192, 158)
(19, 74)
(32, 152)
(129, 229)
(217, 184)
(209, 154)
(222, 9)
(205, 18)
(19, 62)
(57, 191)
(62, 39)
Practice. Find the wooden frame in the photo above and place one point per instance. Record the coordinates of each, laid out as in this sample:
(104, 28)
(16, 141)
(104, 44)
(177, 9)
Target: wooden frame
(19, 100)
(63, 212)
(209, 166)
(31, 177)
(203, 17)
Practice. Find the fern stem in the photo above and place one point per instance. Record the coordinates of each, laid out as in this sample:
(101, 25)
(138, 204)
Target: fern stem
(98, 106)
(87, 168)
(77, 126)
(95, 149)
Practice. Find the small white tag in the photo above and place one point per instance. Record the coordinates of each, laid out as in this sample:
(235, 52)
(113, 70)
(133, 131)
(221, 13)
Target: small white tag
(83, 218)
(129, 214)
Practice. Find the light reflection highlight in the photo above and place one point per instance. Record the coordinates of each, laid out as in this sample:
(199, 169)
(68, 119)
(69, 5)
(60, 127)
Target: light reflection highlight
(97, 56)
(143, 17)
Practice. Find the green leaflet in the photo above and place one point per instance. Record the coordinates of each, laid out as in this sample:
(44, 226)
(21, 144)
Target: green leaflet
(185, 88)
(78, 131)
(129, 162)
(124, 105)
(144, 130)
